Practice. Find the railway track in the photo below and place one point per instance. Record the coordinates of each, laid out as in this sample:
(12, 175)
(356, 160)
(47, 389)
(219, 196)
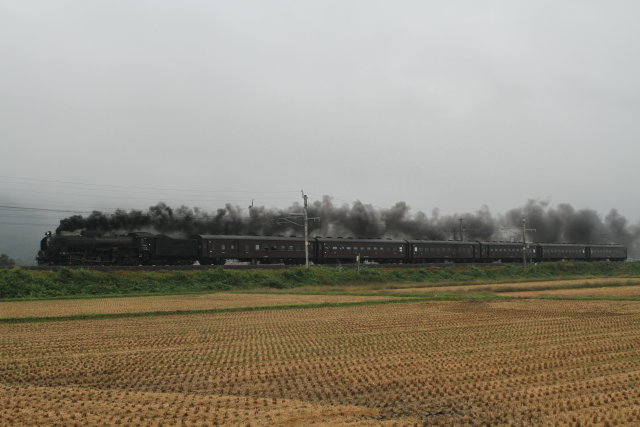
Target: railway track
(237, 266)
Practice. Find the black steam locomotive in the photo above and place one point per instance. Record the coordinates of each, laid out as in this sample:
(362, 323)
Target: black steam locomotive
(155, 249)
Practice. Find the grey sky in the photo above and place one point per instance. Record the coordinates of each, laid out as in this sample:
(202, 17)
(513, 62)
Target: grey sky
(446, 104)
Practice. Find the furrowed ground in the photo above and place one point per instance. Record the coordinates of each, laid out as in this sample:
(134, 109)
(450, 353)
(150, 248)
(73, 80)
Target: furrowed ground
(604, 291)
(165, 303)
(535, 286)
(480, 361)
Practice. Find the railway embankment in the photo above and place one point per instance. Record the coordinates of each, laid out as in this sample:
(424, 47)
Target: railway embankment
(67, 282)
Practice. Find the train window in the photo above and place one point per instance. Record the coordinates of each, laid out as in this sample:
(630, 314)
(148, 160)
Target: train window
(233, 247)
(222, 247)
(335, 248)
(291, 248)
(401, 248)
(257, 247)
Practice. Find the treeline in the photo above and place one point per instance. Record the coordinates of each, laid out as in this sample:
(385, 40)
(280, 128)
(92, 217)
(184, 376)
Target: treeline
(67, 282)
(6, 261)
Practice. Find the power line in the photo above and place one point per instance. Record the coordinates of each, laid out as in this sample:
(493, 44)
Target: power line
(28, 223)
(152, 193)
(145, 188)
(25, 208)
(58, 193)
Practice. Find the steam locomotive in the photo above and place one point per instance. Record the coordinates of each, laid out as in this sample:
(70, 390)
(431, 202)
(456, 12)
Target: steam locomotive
(141, 248)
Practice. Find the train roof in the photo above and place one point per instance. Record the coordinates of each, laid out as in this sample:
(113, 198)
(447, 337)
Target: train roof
(439, 242)
(562, 244)
(234, 237)
(351, 240)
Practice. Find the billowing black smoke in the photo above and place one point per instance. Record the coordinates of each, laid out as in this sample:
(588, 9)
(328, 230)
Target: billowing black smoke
(562, 223)
(566, 224)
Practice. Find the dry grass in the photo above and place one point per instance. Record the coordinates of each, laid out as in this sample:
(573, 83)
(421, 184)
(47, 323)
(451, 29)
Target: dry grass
(477, 362)
(605, 291)
(51, 308)
(80, 406)
(497, 287)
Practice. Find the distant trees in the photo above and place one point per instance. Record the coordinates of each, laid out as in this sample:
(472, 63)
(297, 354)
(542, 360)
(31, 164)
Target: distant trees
(5, 261)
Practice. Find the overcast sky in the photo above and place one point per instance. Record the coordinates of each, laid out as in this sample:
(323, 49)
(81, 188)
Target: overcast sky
(448, 104)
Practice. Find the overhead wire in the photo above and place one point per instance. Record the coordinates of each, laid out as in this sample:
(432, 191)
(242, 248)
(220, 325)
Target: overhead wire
(25, 208)
(50, 224)
(148, 188)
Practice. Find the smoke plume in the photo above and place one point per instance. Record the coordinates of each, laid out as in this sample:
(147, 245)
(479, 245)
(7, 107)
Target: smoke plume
(561, 223)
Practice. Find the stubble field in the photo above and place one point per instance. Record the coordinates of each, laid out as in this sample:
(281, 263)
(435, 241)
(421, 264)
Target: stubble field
(518, 362)
(535, 287)
(166, 303)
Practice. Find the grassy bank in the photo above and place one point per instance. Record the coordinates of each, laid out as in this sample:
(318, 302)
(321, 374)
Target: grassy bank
(18, 283)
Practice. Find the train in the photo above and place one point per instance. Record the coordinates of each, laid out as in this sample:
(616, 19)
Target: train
(143, 248)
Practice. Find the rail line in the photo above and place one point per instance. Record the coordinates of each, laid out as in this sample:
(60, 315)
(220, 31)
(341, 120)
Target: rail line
(247, 267)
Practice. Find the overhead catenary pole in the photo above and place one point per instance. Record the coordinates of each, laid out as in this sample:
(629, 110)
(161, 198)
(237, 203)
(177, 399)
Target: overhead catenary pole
(524, 240)
(306, 232)
(294, 218)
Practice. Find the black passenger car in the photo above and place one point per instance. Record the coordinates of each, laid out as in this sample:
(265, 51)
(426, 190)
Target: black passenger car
(216, 249)
(560, 251)
(505, 251)
(338, 250)
(606, 252)
(425, 251)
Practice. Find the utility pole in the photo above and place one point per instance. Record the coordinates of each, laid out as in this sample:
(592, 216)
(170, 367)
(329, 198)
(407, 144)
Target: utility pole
(524, 240)
(291, 219)
(306, 231)
(461, 230)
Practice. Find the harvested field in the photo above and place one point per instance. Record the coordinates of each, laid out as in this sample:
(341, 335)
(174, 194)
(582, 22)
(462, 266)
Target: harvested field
(606, 291)
(437, 363)
(53, 308)
(498, 287)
